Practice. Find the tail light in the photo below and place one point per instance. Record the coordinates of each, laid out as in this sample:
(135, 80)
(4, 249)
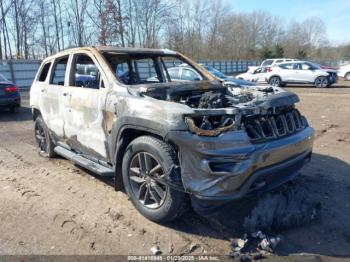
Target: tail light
(11, 89)
(268, 69)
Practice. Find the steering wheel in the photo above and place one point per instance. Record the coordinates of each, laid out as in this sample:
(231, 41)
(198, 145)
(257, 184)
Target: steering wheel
(133, 78)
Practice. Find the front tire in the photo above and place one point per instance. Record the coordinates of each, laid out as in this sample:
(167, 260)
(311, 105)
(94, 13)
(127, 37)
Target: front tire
(146, 162)
(43, 139)
(275, 81)
(347, 76)
(321, 82)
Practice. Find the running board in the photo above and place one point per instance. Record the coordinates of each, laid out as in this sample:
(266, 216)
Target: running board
(84, 162)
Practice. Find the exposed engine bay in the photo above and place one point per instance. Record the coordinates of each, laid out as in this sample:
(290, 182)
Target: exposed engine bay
(265, 112)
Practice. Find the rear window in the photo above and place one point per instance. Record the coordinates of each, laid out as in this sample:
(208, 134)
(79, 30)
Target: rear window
(44, 72)
(267, 63)
(286, 66)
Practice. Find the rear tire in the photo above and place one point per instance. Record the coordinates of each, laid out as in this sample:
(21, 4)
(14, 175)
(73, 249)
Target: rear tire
(275, 81)
(321, 82)
(146, 161)
(43, 139)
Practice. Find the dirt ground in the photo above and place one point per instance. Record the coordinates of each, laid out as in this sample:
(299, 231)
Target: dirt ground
(53, 207)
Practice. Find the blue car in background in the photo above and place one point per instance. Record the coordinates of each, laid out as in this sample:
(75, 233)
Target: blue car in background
(228, 80)
(9, 95)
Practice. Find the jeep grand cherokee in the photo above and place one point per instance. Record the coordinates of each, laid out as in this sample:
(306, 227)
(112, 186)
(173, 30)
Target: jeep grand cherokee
(121, 112)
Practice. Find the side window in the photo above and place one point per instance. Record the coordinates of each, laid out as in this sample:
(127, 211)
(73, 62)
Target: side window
(286, 66)
(59, 71)
(85, 73)
(267, 63)
(297, 66)
(279, 61)
(305, 66)
(174, 73)
(44, 72)
(189, 75)
(258, 71)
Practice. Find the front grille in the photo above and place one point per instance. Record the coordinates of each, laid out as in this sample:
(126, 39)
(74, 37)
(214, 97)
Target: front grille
(273, 126)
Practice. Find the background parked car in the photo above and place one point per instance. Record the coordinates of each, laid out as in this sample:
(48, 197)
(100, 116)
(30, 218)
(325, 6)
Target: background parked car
(254, 75)
(272, 62)
(344, 71)
(9, 95)
(228, 80)
(300, 72)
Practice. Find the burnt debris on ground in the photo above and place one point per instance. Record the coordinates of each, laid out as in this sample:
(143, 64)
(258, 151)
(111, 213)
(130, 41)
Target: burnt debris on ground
(289, 207)
(282, 210)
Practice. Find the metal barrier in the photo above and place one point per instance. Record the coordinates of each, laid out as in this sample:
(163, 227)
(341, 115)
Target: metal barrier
(20, 72)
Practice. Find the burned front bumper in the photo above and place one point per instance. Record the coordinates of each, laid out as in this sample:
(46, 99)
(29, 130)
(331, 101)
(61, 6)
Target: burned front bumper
(230, 166)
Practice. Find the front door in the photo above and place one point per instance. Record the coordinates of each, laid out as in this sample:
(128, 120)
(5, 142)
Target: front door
(306, 74)
(84, 123)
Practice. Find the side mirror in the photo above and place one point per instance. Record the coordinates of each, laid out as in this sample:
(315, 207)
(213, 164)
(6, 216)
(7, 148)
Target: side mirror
(197, 79)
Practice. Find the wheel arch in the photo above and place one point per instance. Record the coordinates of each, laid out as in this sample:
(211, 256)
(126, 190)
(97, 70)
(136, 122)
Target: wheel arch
(275, 75)
(124, 137)
(320, 75)
(35, 113)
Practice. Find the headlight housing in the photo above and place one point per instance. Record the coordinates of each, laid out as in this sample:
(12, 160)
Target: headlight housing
(212, 125)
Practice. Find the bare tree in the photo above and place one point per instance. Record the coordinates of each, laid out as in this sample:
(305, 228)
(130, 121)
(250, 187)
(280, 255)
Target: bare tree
(77, 12)
(202, 29)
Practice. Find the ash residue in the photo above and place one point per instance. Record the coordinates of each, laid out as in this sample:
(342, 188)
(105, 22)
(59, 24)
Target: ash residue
(282, 210)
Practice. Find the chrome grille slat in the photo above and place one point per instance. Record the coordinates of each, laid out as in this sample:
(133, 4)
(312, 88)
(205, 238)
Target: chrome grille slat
(273, 126)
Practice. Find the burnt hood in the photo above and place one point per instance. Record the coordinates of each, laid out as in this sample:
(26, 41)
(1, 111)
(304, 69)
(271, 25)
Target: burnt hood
(213, 95)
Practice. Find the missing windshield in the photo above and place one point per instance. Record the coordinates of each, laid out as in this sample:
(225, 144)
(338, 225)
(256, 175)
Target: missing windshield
(151, 69)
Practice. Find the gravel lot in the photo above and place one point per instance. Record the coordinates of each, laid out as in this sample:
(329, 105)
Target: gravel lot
(54, 207)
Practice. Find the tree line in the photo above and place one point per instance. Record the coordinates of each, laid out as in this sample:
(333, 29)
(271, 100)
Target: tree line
(201, 29)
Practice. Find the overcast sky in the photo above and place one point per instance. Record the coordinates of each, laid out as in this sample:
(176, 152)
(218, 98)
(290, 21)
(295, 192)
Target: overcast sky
(335, 13)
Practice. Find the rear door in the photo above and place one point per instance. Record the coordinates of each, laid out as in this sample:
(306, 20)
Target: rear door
(85, 122)
(52, 95)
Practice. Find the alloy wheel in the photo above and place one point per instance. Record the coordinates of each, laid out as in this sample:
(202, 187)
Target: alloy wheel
(275, 81)
(321, 82)
(144, 174)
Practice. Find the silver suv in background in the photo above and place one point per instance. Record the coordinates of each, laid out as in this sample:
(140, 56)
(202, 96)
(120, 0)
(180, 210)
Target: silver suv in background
(301, 72)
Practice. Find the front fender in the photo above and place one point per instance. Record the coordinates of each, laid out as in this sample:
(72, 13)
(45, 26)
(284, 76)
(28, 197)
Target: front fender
(133, 123)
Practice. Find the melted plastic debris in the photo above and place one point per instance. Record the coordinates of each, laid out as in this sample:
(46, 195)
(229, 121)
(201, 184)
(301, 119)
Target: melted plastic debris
(282, 210)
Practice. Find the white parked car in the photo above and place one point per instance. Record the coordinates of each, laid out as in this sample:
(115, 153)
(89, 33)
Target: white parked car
(254, 74)
(344, 71)
(275, 61)
(300, 72)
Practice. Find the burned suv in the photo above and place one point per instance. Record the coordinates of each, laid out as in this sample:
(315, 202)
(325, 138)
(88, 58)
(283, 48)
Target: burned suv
(121, 112)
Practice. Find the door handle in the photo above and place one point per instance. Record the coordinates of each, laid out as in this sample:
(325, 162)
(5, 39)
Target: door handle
(43, 90)
(65, 94)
